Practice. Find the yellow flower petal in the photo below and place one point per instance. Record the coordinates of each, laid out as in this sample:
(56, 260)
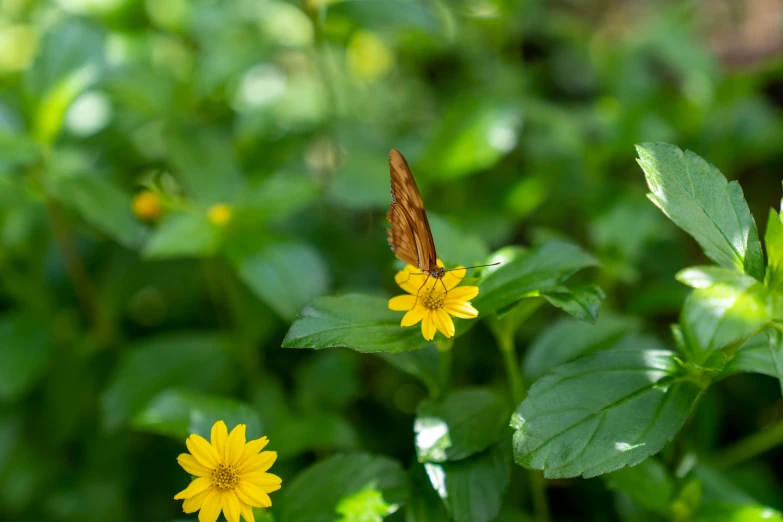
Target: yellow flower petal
(262, 479)
(413, 316)
(213, 504)
(193, 504)
(454, 277)
(258, 463)
(230, 506)
(235, 445)
(428, 326)
(218, 437)
(206, 455)
(402, 303)
(192, 466)
(252, 448)
(443, 322)
(194, 488)
(463, 293)
(460, 309)
(252, 494)
(247, 512)
(411, 280)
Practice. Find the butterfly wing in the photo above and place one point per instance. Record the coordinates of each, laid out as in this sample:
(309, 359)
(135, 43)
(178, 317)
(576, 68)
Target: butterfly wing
(410, 237)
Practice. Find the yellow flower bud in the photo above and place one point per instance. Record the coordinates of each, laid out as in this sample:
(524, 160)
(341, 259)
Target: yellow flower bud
(219, 214)
(147, 206)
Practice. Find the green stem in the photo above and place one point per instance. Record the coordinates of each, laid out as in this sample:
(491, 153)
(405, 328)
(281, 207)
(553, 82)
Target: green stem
(538, 493)
(513, 372)
(444, 365)
(750, 447)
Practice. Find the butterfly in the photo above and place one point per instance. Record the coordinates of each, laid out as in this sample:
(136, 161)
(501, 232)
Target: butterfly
(410, 237)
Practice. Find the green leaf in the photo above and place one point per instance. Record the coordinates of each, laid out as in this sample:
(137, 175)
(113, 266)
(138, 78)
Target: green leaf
(194, 361)
(455, 246)
(717, 512)
(582, 302)
(183, 235)
(530, 273)
(649, 484)
(568, 339)
(359, 322)
(473, 489)
(424, 504)
(773, 240)
(382, 15)
(178, 413)
(754, 356)
(306, 499)
(25, 349)
(328, 380)
(102, 204)
(473, 135)
(422, 364)
(279, 196)
(776, 352)
(367, 505)
(726, 312)
(204, 161)
(602, 412)
(699, 200)
(461, 424)
(286, 276)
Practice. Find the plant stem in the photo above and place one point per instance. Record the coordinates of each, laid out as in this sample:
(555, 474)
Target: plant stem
(750, 447)
(510, 361)
(444, 364)
(517, 387)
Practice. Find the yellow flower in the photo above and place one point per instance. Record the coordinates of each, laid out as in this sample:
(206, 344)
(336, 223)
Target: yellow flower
(220, 214)
(231, 475)
(147, 206)
(433, 302)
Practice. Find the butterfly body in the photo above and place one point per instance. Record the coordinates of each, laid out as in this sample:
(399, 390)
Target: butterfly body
(410, 237)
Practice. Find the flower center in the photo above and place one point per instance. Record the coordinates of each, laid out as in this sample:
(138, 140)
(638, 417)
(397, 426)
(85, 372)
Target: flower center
(224, 477)
(434, 301)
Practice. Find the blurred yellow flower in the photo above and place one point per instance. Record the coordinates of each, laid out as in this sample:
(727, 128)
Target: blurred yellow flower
(147, 206)
(231, 475)
(369, 58)
(434, 302)
(220, 214)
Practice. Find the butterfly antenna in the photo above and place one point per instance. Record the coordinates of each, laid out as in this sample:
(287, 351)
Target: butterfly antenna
(475, 266)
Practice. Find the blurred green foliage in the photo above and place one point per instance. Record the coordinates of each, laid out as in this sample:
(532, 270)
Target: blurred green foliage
(133, 311)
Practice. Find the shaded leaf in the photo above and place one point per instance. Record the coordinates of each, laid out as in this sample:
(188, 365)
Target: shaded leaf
(422, 364)
(286, 276)
(754, 356)
(773, 240)
(305, 499)
(602, 412)
(461, 424)
(582, 302)
(649, 484)
(178, 413)
(25, 348)
(699, 200)
(183, 235)
(279, 196)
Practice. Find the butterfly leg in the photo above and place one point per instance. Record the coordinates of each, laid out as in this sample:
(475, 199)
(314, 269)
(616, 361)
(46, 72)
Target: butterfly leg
(419, 290)
(409, 277)
(445, 290)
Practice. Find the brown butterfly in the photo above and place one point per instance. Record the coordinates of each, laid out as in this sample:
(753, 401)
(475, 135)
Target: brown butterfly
(410, 237)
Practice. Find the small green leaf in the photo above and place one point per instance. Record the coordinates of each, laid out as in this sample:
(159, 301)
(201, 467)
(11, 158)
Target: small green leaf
(279, 196)
(773, 240)
(568, 339)
(25, 348)
(724, 313)
(183, 235)
(582, 302)
(204, 162)
(530, 273)
(178, 413)
(286, 276)
(707, 276)
(776, 351)
(359, 322)
(473, 489)
(602, 412)
(463, 423)
(194, 361)
(367, 505)
(717, 512)
(102, 204)
(754, 356)
(649, 484)
(316, 492)
(699, 200)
